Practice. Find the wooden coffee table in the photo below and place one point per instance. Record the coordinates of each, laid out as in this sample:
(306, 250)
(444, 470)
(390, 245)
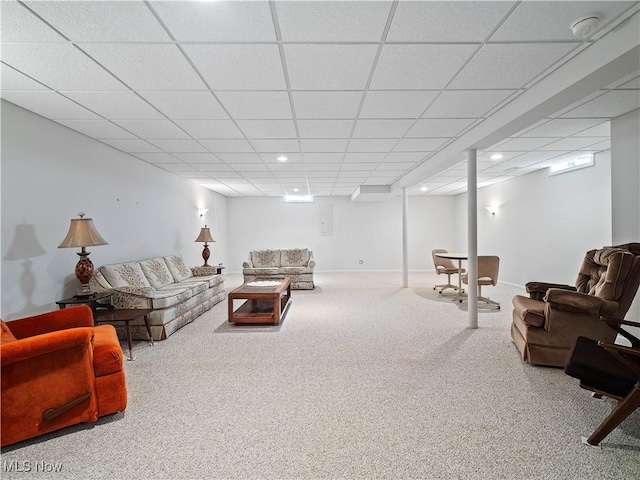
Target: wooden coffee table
(265, 303)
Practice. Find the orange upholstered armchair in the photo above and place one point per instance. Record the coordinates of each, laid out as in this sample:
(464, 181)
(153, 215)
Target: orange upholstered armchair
(58, 370)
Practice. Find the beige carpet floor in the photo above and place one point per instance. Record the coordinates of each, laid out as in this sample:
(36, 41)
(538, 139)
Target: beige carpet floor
(363, 380)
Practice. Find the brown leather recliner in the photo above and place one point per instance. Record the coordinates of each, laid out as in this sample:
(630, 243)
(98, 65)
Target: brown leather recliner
(546, 323)
(58, 370)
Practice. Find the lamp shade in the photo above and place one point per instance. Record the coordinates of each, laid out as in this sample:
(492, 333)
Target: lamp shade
(205, 235)
(82, 233)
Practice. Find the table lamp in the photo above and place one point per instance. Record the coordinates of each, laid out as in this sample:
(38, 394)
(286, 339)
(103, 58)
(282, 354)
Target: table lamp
(82, 233)
(205, 236)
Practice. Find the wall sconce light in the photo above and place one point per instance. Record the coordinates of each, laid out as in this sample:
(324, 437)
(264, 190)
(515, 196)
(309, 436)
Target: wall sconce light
(493, 209)
(202, 211)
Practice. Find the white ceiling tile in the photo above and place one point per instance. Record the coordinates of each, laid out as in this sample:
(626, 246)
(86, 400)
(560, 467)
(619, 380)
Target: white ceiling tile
(186, 105)
(215, 168)
(48, 104)
(329, 105)
(240, 158)
(360, 166)
(132, 145)
(328, 145)
(329, 67)
(369, 128)
(18, 24)
(124, 105)
(286, 170)
(325, 167)
(396, 166)
(249, 167)
(339, 21)
(217, 21)
(179, 146)
(442, 127)
(529, 158)
(146, 66)
(632, 84)
(610, 105)
(256, 105)
(365, 157)
(325, 128)
(275, 146)
(509, 65)
(440, 21)
(59, 66)
(11, 79)
(419, 67)
(268, 128)
(550, 21)
(210, 128)
(603, 129)
(101, 21)
(153, 128)
(523, 144)
(228, 146)
(197, 157)
(598, 147)
(323, 176)
(404, 157)
(372, 144)
(561, 127)
(97, 128)
(396, 104)
(239, 67)
(157, 158)
(423, 145)
(176, 167)
(466, 103)
(571, 143)
(323, 157)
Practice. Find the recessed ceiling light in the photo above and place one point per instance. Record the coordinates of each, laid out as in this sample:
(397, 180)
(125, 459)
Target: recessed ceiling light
(282, 158)
(296, 189)
(496, 156)
(424, 189)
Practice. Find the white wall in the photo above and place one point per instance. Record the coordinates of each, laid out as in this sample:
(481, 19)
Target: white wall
(50, 173)
(371, 232)
(544, 224)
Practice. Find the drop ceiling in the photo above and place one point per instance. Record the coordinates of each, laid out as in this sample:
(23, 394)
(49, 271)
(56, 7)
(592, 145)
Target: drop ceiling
(352, 93)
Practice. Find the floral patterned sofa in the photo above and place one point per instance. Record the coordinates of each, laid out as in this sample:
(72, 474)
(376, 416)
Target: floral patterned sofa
(165, 284)
(296, 263)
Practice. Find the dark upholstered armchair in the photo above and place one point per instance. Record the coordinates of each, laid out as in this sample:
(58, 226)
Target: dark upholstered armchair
(58, 370)
(546, 323)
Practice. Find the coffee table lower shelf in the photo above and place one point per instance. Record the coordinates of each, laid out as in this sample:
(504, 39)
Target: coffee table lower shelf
(261, 311)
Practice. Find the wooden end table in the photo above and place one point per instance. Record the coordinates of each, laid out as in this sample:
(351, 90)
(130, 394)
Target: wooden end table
(126, 316)
(92, 301)
(265, 304)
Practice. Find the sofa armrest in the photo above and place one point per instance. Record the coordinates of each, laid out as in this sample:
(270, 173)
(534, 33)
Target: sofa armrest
(247, 265)
(80, 316)
(26, 348)
(571, 301)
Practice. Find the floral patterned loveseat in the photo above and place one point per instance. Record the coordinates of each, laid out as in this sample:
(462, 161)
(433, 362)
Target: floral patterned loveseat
(165, 284)
(296, 263)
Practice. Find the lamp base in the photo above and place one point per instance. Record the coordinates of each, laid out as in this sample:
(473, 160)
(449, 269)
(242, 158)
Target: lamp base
(84, 272)
(205, 255)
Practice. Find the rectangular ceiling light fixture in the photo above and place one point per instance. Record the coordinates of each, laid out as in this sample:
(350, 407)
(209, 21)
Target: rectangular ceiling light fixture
(298, 198)
(576, 163)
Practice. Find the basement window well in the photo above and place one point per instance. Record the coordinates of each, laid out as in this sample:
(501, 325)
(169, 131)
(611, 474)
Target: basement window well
(575, 163)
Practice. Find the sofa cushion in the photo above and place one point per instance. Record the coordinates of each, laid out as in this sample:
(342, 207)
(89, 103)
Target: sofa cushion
(107, 353)
(295, 270)
(178, 268)
(6, 335)
(529, 310)
(125, 275)
(265, 258)
(294, 257)
(156, 271)
(261, 271)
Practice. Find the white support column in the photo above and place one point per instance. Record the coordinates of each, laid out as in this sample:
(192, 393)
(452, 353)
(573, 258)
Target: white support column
(472, 237)
(405, 237)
